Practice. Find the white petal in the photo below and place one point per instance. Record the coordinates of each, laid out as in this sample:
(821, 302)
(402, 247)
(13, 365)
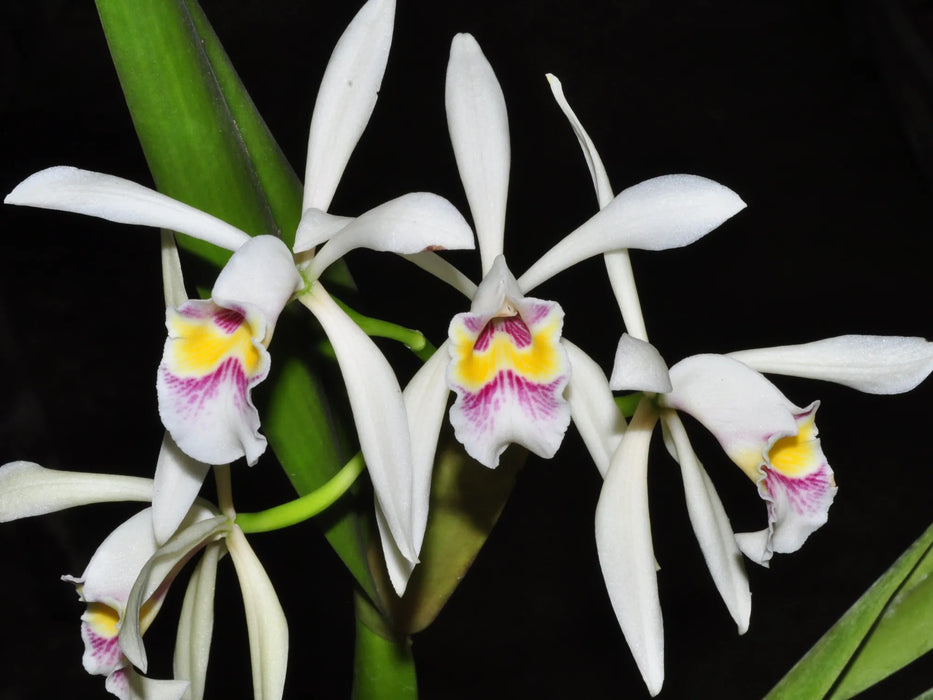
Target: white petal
(196, 623)
(397, 566)
(411, 223)
(315, 227)
(173, 282)
(593, 161)
(479, 132)
(711, 526)
(265, 620)
(756, 546)
(444, 271)
(84, 192)
(142, 688)
(27, 489)
(157, 573)
(261, 274)
(177, 482)
(638, 366)
(622, 279)
(743, 410)
(592, 407)
(346, 99)
(114, 567)
(213, 357)
(875, 364)
(378, 411)
(665, 212)
(626, 554)
(425, 399)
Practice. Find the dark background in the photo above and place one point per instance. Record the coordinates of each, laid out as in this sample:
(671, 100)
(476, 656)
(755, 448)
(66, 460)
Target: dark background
(817, 113)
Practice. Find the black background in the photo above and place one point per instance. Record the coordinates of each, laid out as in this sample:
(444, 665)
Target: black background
(798, 106)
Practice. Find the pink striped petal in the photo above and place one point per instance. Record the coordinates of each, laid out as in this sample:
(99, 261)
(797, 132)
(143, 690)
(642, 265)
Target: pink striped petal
(772, 440)
(508, 370)
(215, 354)
(213, 358)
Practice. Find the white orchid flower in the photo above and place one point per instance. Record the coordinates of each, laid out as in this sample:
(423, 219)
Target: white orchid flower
(771, 439)
(216, 349)
(128, 577)
(505, 358)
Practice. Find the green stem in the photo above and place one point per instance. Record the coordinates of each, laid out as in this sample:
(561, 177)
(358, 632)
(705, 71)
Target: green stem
(376, 327)
(383, 667)
(307, 506)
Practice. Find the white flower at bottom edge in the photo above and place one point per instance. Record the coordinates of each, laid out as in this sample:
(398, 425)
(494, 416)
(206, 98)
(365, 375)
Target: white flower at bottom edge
(129, 574)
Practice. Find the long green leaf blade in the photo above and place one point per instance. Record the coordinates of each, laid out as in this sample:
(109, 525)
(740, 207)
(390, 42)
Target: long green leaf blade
(820, 669)
(189, 136)
(904, 633)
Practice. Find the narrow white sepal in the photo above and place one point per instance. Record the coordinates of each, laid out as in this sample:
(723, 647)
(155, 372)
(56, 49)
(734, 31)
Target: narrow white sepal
(378, 411)
(27, 489)
(875, 364)
(665, 212)
(315, 227)
(173, 282)
(260, 274)
(592, 407)
(593, 161)
(177, 482)
(638, 366)
(434, 264)
(201, 525)
(711, 526)
(64, 188)
(397, 566)
(346, 99)
(265, 620)
(425, 399)
(412, 223)
(626, 554)
(142, 688)
(479, 132)
(196, 623)
(618, 264)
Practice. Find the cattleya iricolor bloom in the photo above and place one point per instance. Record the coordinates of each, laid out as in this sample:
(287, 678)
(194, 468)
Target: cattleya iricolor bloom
(505, 358)
(128, 577)
(216, 349)
(773, 441)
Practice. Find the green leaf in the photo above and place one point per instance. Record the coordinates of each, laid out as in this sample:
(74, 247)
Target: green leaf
(203, 140)
(840, 651)
(903, 633)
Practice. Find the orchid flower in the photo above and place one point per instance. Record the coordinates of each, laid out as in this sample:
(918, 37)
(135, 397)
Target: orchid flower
(216, 349)
(128, 576)
(505, 358)
(773, 441)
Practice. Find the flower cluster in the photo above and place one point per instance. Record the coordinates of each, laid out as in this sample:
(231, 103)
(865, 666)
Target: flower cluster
(514, 377)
